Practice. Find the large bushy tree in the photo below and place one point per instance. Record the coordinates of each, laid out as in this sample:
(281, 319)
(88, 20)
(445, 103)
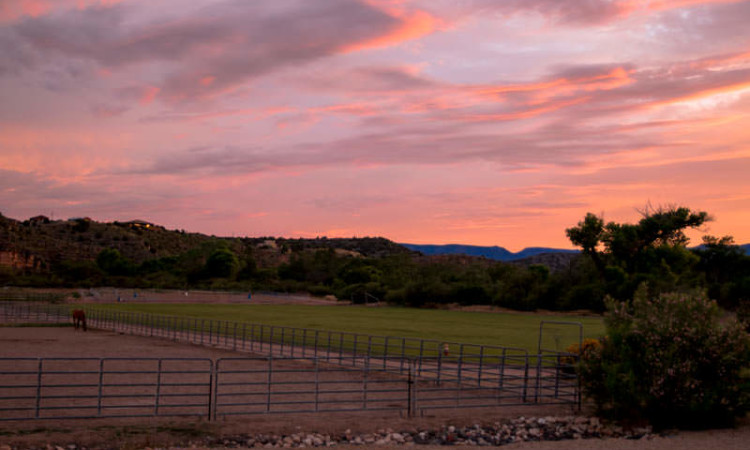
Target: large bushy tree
(654, 250)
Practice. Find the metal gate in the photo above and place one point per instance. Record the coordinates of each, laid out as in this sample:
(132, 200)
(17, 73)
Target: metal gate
(68, 388)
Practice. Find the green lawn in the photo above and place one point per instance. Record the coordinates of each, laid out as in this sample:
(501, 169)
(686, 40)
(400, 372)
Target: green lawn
(498, 329)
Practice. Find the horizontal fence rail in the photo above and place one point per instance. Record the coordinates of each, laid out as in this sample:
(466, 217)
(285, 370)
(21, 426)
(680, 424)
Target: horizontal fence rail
(439, 374)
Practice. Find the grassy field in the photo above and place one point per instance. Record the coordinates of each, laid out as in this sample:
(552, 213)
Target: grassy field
(500, 329)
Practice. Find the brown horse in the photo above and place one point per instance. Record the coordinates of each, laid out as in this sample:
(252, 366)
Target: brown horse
(79, 318)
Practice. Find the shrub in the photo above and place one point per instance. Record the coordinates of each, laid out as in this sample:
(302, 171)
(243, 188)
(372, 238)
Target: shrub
(669, 361)
(576, 351)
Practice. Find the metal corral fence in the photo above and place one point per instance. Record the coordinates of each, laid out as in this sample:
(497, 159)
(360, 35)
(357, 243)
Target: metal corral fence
(73, 388)
(438, 374)
(76, 388)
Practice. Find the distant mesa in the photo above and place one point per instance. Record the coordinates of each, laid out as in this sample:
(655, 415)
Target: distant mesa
(498, 253)
(495, 252)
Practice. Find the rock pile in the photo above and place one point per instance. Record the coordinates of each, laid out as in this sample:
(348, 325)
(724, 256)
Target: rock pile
(499, 433)
(521, 429)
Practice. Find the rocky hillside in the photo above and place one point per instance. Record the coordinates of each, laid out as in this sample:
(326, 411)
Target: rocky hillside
(39, 242)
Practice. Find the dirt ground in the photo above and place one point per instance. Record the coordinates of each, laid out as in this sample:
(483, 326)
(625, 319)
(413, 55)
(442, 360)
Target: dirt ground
(173, 432)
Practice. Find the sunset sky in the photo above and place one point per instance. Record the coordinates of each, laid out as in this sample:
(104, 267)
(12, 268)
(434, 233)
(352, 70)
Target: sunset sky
(486, 122)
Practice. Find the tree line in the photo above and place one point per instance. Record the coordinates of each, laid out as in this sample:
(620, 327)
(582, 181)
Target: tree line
(616, 259)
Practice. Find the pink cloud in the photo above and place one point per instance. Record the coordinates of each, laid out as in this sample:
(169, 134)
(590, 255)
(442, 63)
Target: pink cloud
(12, 10)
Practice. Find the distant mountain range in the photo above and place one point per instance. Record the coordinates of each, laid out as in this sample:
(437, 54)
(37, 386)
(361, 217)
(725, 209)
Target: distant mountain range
(495, 252)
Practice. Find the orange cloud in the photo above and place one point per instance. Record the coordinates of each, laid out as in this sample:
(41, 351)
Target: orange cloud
(702, 94)
(412, 25)
(630, 6)
(12, 10)
(149, 94)
(615, 78)
(525, 114)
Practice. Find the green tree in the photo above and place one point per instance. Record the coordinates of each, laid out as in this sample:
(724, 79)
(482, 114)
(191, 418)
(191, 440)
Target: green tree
(222, 263)
(113, 263)
(652, 250)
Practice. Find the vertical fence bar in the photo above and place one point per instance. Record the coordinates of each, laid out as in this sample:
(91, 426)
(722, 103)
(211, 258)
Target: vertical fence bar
(158, 389)
(99, 394)
(538, 378)
(439, 365)
(409, 391)
(268, 383)
(270, 341)
(481, 361)
(421, 355)
(459, 373)
(317, 383)
(365, 373)
(385, 352)
(557, 375)
(354, 352)
(501, 378)
(341, 347)
(403, 354)
(213, 388)
(38, 387)
(315, 348)
(525, 379)
(328, 347)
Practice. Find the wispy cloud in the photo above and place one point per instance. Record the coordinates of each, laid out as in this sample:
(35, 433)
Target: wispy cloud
(477, 121)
